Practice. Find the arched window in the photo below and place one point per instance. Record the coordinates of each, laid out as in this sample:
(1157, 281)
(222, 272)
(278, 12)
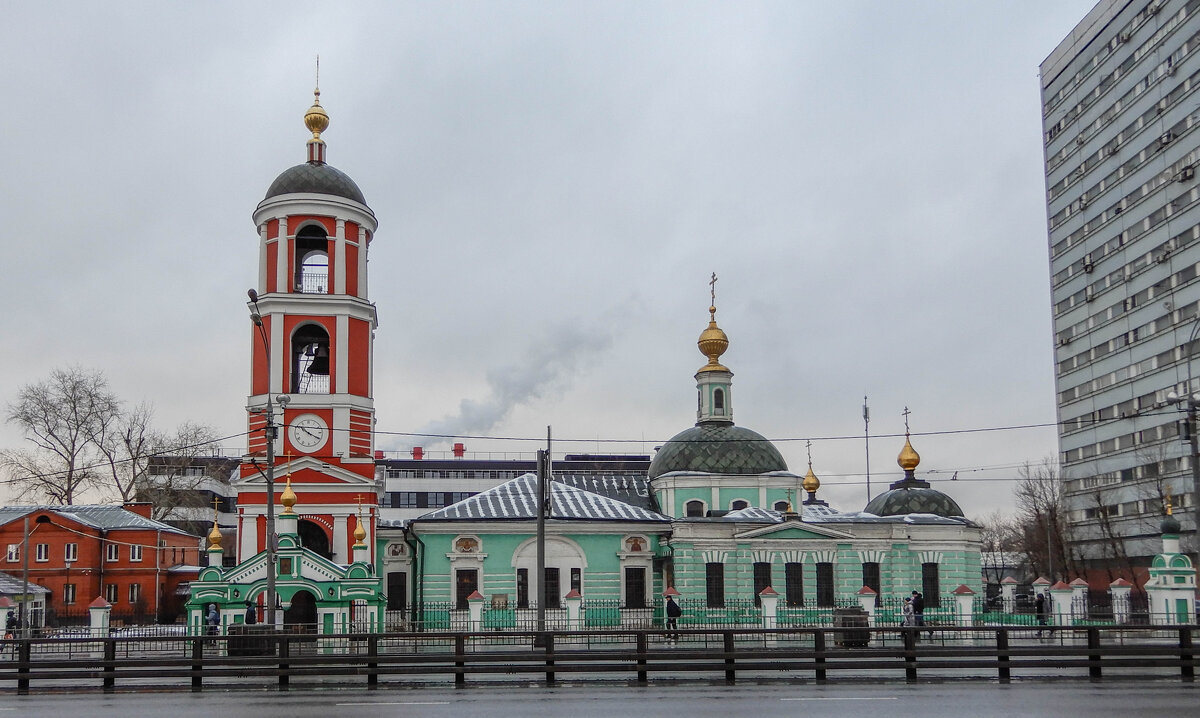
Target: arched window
(312, 261)
(739, 505)
(310, 360)
(719, 402)
(781, 506)
(694, 509)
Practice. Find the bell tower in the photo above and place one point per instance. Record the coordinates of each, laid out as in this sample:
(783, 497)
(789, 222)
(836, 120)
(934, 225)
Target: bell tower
(311, 359)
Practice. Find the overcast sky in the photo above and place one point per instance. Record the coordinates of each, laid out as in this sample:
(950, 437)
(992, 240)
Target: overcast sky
(555, 182)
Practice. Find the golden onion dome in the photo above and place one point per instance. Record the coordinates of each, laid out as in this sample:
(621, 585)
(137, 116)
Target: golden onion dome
(908, 458)
(214, 538)
(811, 482)
(712, 343)
(360, 533)
(316, 119)
(288, 497)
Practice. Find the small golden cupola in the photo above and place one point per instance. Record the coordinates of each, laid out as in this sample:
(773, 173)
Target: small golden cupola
(288, 497)
(908, 458)
(811, 483)
(360, 531)
(714, 380)
(911, 495)
(317, 121)
(214, 536)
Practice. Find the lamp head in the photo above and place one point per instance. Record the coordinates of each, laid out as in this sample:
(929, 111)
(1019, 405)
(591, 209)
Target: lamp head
(253, 295)
(256, 318)
(283, 400)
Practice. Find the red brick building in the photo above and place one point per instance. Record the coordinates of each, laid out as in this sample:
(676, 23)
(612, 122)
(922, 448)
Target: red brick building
(119, 553)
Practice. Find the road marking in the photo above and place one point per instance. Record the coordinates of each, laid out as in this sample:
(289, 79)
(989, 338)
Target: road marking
(397, 703)
(881, 698)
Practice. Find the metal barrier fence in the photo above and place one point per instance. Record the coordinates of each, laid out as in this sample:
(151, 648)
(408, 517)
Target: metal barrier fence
(257, 656)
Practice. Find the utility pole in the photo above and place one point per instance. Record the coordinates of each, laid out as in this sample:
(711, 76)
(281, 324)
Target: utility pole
(23, 623)
(541, 540)
(867, 443)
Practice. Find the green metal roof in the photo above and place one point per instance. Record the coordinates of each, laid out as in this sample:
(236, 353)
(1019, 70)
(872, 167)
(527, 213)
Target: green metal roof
(717, 448)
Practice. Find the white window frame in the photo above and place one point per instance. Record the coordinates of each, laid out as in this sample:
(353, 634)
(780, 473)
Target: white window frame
(135, 593)
(135, 553)
(43, 553)
(14, 553)
(112, 592)
(71, 552)
(112, 552)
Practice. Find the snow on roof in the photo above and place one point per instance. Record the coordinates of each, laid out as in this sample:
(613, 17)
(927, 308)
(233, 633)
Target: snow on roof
(517, 499)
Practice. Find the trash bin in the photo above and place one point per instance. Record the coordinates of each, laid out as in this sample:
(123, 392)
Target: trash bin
(252, 640)
(849, 619)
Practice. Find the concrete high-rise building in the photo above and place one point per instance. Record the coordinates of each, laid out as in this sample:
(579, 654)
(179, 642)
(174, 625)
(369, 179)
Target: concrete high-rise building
(1120, 109)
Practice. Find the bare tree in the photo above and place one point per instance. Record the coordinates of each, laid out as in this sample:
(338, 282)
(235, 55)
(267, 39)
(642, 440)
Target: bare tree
(61, 416)
(1001, 539)
(126, 445)
(1041, 509)
(180, 470)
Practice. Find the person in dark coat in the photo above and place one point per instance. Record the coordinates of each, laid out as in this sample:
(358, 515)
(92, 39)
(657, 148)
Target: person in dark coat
(673, 614)
(1039, 607)
(918, 604)
(213, 619)
(251, 614)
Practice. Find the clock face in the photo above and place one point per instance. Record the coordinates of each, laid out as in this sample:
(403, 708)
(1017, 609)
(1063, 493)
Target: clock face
(308, 432)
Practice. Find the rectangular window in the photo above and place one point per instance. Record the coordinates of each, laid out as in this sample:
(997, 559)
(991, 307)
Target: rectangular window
(635, 587)
(466, 582)
(112, 552)
(929, 585)
(825, 593)
(577, 579)
(552, 588)
(714, 584)
(404, 499)
(43, 552)
(135, 553)
(110, 592)
(762, 579)
(135, 593)
(793, 579)
(71, 552)
(522, 588)
(69, 593)
(14, 553)
(871, 577)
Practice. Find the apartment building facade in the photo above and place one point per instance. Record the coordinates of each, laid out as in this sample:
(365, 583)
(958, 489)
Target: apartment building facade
(1121, 144)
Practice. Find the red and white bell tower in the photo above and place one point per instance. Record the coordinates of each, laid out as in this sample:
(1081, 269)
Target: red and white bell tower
(312, 357)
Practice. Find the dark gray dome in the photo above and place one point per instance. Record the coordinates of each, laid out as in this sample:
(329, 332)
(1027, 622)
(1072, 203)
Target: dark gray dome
(915, 500)
(717, 448)
(1170, 525)
(315, 178)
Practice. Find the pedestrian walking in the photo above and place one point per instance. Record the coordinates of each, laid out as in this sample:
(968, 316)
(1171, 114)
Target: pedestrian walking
(907, 616)
(918, 604)
(1039, 608)
(213, 620)
(251, 614)
(673, 614)
(10, 626)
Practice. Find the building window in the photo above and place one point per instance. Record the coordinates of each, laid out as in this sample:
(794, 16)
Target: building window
(762, 579)
(135, 553)
(14, 553)
(739, 505)
(110, 592)
(466, 582)
(825, 593)
(693, 509)
(69, 593)
(577, 579)
(719, 402)
(135, 593)
(793, 580)
(635, 587)
(714, 584)
(782, 506)
(870, 572)
(397, 591)
(404, 499)
(929, 585)
(522, 588)
(43, 552)
(71, 552)
(112, 552)
(552, 588)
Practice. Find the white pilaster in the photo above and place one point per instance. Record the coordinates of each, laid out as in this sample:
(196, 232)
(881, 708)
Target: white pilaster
(340, 552)
(341, 344)
(362, 262)
(283, 279)
(339, 258)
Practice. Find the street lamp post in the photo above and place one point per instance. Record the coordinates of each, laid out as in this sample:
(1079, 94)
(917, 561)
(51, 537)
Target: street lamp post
(271, 432)
(1191, 402)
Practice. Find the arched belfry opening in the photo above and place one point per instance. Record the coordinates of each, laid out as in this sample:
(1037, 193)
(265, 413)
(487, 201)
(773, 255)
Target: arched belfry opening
(312, 261)
(310, 360)
(313, 538)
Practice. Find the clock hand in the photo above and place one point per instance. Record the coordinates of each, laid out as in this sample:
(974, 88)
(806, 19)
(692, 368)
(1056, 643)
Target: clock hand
(308, 431)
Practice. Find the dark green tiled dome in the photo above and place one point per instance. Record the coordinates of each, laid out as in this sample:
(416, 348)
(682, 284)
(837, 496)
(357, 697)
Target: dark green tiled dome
(315, 178)
(903, 501)
(717, 448)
